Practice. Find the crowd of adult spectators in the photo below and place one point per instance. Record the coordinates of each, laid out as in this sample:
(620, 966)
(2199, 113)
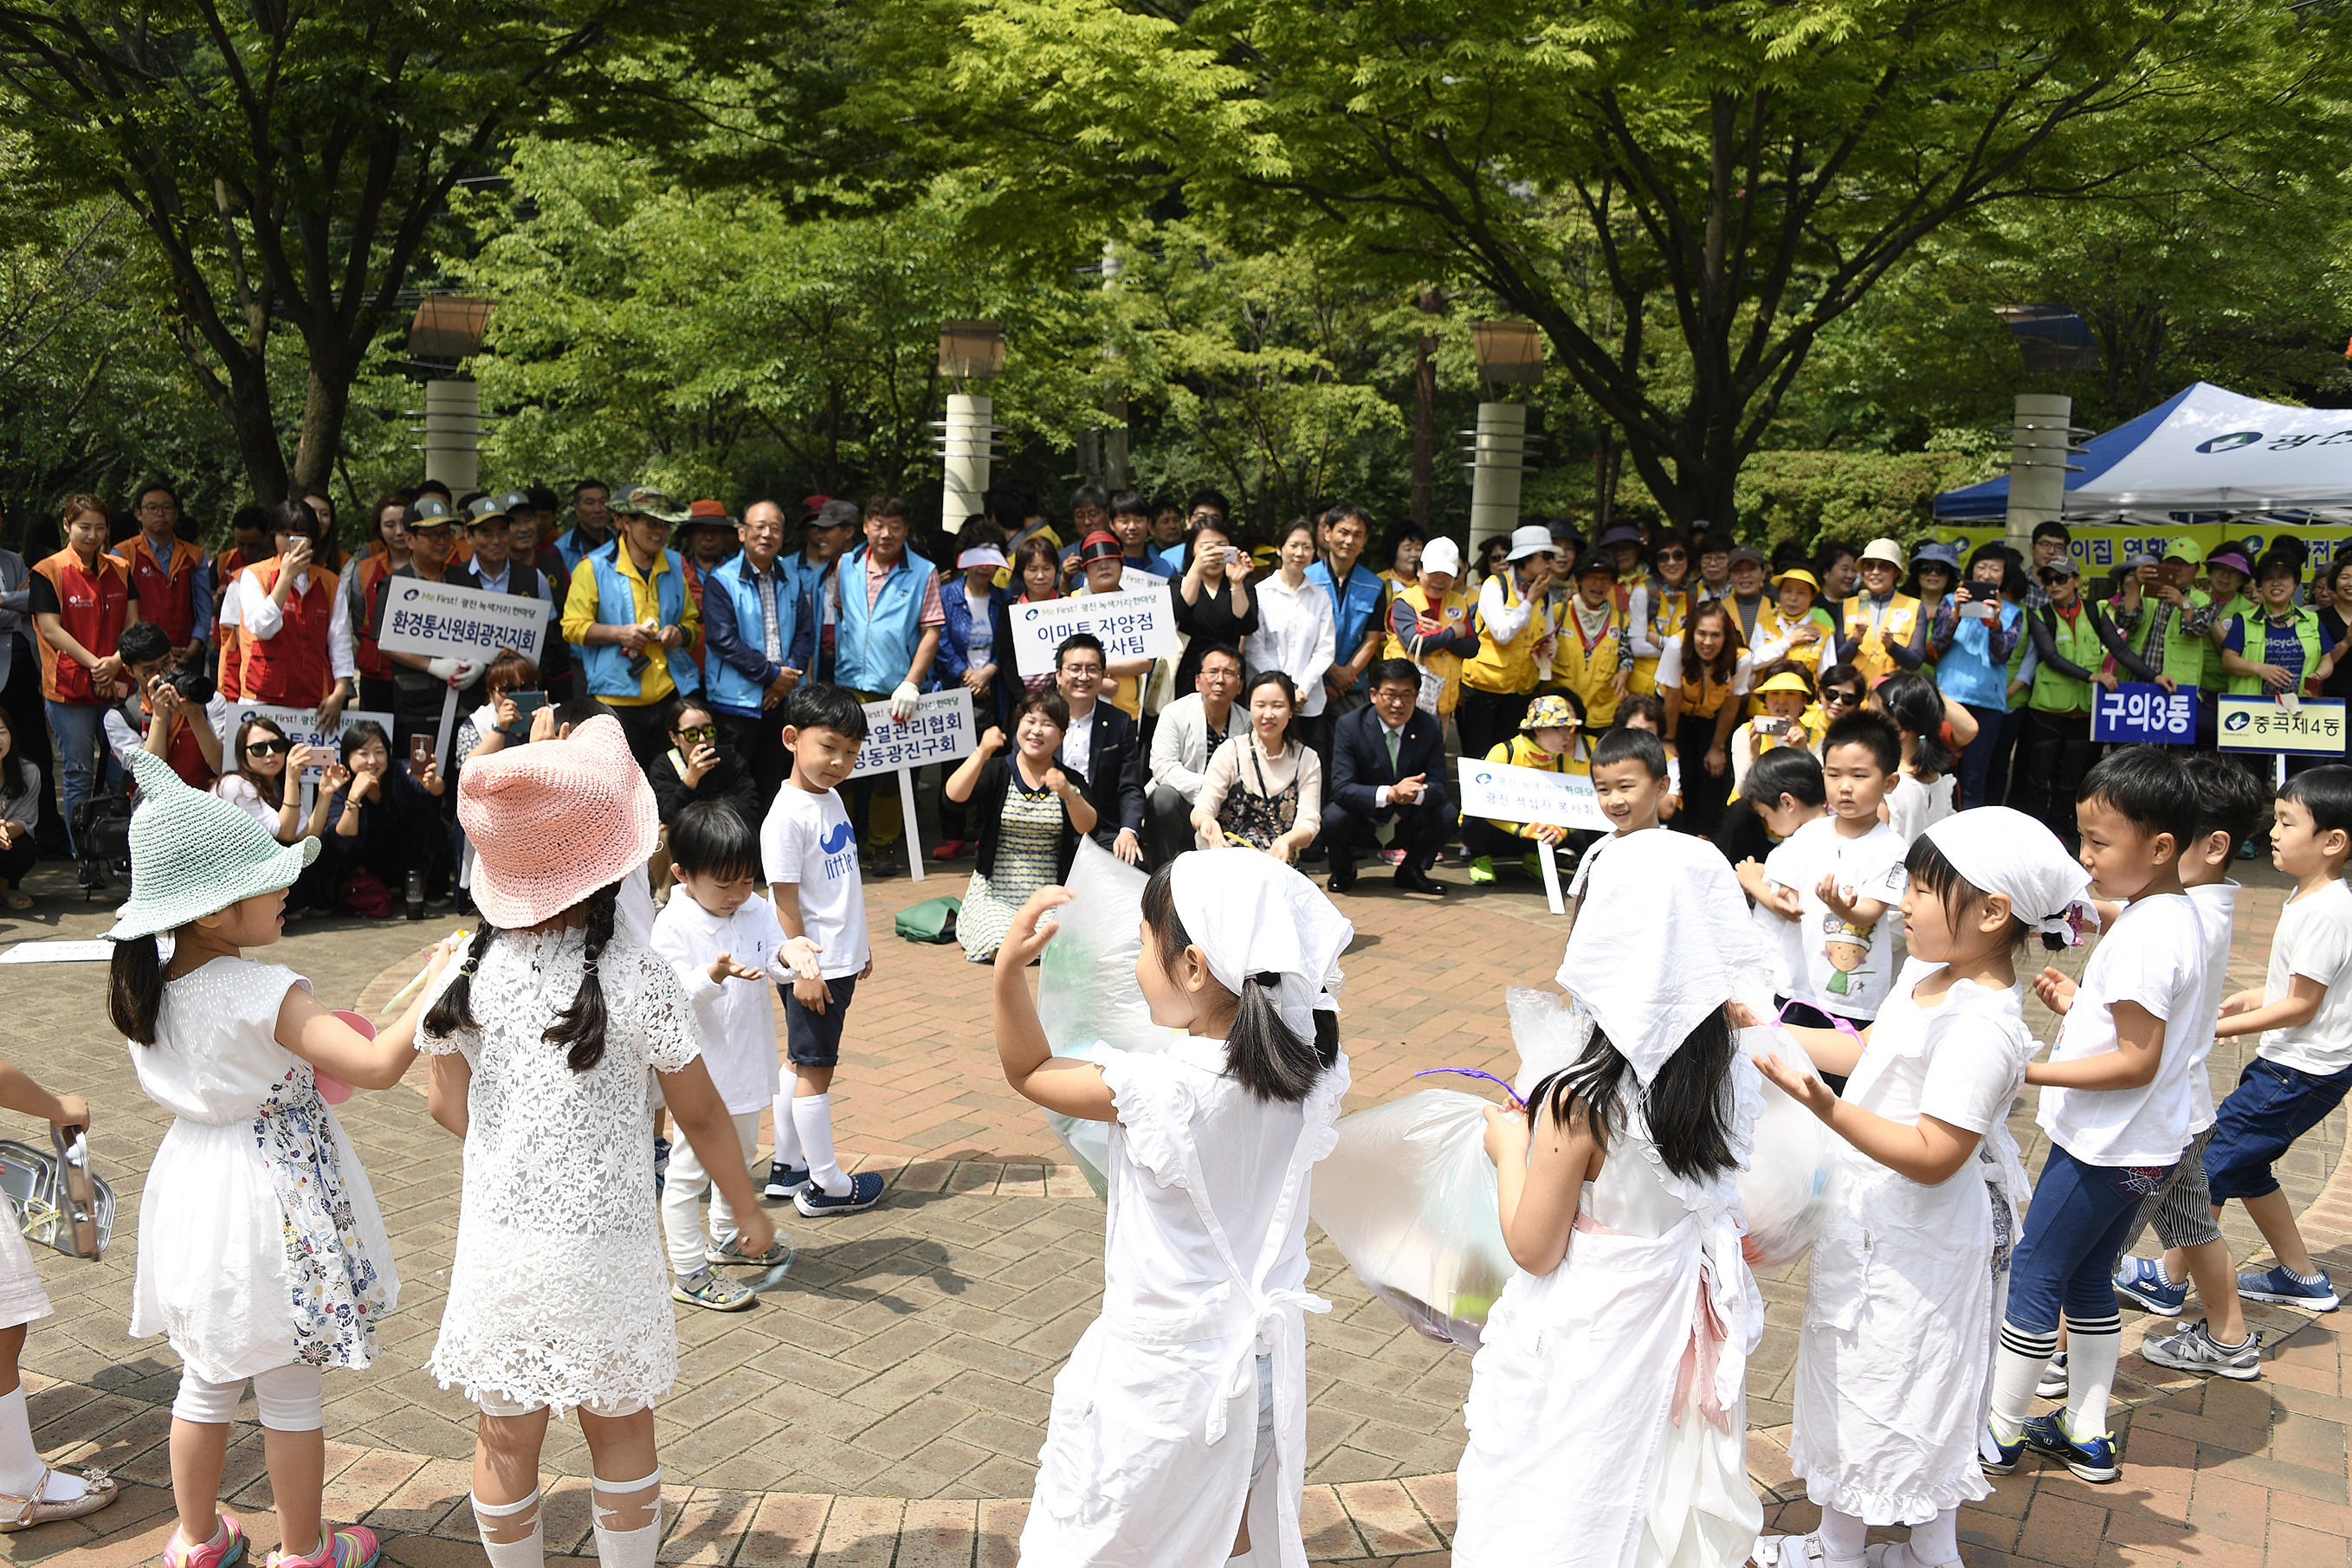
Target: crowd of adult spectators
(1322, 687)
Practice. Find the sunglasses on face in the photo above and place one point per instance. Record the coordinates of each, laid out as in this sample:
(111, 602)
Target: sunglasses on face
(1836, 698)
(699, 732)
(1666, 555)
(266, 747)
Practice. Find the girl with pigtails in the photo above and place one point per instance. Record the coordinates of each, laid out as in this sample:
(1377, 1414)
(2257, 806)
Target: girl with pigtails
(1178, 1429)
(549, 1035)
(261, 1252)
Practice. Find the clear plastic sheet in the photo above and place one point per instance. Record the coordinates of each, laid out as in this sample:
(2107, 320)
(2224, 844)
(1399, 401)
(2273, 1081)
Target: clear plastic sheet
(1087, 997)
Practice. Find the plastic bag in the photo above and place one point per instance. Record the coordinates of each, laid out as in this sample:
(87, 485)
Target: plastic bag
(1785, 1190)
(1086, 993)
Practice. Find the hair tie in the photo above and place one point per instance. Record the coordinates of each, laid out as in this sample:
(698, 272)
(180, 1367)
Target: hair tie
(1270, 978)
(465, 969)
(588, 968)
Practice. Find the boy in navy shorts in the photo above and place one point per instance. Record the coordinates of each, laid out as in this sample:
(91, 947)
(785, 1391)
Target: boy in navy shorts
(810, 853)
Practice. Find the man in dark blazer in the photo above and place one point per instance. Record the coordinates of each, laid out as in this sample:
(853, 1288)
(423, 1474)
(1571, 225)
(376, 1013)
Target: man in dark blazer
(1102, 749)
(1388, 782)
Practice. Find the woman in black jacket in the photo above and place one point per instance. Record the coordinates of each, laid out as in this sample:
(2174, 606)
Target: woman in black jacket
(699, 766)
(1029, 814)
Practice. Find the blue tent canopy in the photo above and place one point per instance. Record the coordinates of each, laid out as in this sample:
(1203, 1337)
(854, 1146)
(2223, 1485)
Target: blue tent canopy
(2101, 453)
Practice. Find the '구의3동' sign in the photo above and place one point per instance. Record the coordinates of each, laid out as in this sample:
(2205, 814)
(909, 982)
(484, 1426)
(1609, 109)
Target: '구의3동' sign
(2315, 728)
(2142, 713)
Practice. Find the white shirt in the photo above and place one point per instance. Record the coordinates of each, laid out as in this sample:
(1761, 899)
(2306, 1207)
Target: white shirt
(2154, 955)
(238, 792)
(2217, 912)
(1078, 751)
(2314, 939)
(1670, 667)
(1912, 808)
(980, 643)
(1388, 734)
(738, 1017)
(806, 843)
(1501, 623)
(1843, 974)
(1295, 635)
(249, 607)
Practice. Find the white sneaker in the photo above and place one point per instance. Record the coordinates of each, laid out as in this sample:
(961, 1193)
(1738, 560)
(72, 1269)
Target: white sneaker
(2053, 1378)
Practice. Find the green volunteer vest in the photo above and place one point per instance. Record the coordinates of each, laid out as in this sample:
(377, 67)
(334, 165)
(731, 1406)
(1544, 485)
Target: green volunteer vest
(2182, 657)
(2216, 678)
(2307, 631)
(2077, 644)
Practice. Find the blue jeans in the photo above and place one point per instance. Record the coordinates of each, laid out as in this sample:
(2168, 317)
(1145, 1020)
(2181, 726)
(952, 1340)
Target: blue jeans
(2081, 1216)
(1979, 756)
(2273, 1105)
(81, 754)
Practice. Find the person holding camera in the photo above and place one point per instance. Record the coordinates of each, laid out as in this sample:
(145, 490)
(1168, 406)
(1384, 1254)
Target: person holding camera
(1975, 632)
(699, 766)
(1213, 604)
(165, 714)
(295, 628)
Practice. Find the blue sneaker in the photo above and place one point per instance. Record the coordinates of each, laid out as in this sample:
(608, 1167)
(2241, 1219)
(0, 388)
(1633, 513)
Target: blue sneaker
(864, 1192)
(2281, 1286)
(2142, 1282)
(785, 1180)
(1999, 1459)
(2092, 1460)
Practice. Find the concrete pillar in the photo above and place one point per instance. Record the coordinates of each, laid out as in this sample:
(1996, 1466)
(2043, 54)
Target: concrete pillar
(2040, 439)
(453, 434)
(968, 440)
(1497, 465)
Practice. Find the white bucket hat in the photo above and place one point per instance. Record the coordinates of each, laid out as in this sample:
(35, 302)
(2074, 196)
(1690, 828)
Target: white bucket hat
(1532, 538)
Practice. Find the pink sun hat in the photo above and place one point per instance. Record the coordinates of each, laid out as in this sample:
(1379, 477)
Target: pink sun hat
(554, 821)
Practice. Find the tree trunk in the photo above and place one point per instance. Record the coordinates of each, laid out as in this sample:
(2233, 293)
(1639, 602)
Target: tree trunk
(326, 399)
(1424, 506)
(256, 424)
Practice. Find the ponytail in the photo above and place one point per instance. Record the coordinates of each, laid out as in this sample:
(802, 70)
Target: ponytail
(134, 992)
(581, 1026)
(454, 1009)
(1265, 1055)
(1686, 1104)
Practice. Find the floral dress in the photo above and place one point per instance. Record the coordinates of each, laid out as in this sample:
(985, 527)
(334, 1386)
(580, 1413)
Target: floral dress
(559, 1292)
(260, 1241)
(1028, 857)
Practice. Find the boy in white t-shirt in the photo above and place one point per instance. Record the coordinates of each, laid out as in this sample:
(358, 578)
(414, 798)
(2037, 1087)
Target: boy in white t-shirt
(1837, 880)
(2303, 1064)
(2231, 804)
(2116, 1105)
(1785, 793)
(723, 941)
(811, 854)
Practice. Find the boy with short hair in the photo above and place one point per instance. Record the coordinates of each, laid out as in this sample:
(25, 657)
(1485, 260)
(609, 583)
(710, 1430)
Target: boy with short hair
(2230, 809)
(2116, 1104)
(809, 853)
(1629, 779)
(2303, 1064)
(1836, 878)
(724, 943)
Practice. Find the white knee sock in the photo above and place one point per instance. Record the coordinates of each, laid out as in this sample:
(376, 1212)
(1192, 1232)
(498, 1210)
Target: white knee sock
(506, 1541)
(813, 1113)
(2016, 1368)
(20, 1462)
(614, 1501)
(1938, 1541)
(788, 1127)
(1842, 1536)
(2092, 1351)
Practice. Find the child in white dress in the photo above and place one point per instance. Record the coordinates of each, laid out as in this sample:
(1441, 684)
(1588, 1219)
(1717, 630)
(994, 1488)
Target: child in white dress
(1907, 1279)
(1606, 1410)
(1192, 1382)
(30, 1492)
(261, 1253)
(547, 1039)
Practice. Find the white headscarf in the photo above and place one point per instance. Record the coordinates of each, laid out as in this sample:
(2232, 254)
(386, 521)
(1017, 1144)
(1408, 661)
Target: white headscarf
(2009, 852)
(1254, 917)
(1660, 941)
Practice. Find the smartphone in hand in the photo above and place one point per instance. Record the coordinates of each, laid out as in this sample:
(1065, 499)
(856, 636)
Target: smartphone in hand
(420, 751)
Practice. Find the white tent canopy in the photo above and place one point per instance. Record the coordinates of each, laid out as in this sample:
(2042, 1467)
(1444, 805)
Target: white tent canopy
(2204, 450)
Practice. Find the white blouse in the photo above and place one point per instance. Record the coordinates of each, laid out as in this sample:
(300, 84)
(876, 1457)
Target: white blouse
(1297, 634)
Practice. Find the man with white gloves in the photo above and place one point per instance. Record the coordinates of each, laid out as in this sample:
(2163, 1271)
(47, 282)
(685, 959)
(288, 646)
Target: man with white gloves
(887, 637)
(630, 614)
(419, 684)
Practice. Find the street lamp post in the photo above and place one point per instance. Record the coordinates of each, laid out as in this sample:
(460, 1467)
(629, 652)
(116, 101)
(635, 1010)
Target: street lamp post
(969, 350)
(448, 328)
(1510, 354)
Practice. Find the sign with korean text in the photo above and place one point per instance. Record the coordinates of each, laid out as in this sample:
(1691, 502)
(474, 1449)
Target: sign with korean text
(300, 725)
(941, 731)
(441, 621)
(2312, 727)
(1507, 794)
(1133, 623)
(2138, 713)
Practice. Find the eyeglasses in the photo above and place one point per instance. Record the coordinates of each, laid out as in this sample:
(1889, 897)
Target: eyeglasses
(266, 747)
(1666, 555)
(1082, 670)
(699, 732)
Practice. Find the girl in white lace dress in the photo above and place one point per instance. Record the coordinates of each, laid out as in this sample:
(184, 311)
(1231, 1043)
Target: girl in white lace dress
(1907, 1284)
(261, 1253)
(546, 1043)
(1179, 1428)
(1607, 1414)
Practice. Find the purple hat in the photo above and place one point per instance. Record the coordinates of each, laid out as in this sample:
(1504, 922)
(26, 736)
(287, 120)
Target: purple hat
(1622, 534)
(2232, 560)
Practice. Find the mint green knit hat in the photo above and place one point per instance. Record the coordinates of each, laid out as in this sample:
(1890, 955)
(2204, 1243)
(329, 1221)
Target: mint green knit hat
(194, 853)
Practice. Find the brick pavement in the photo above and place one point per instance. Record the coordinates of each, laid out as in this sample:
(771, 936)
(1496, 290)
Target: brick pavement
(887, 1399)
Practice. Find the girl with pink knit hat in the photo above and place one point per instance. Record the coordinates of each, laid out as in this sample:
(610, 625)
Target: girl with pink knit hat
(550, 1035)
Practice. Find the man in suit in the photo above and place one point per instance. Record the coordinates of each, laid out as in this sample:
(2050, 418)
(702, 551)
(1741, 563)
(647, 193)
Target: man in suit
(1190, 729)
(493, 568)
(1102, 747)
(1388, 782)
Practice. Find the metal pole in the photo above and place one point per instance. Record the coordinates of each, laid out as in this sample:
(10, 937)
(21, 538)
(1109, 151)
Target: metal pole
(968, 443)
(2037, 464)
(453, 434)
(1497, 466)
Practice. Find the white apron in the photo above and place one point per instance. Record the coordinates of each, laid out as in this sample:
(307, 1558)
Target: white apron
(1153, 1429)
(1576, 1454)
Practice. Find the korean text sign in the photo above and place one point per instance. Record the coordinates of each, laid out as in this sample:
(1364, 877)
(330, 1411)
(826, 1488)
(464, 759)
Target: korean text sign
(2315, 728)
(1508, 794)
(2138, 713)
(1134, 623)
(441, 621)
(941, 731)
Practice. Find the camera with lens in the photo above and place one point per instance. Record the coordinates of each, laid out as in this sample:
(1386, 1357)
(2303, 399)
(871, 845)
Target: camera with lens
(195, 686)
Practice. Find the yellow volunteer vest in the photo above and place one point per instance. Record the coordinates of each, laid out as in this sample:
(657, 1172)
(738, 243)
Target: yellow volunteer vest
(1871, 657)
(1454, 612)
(1506, 669)
(1669, 614)
(1588, 668)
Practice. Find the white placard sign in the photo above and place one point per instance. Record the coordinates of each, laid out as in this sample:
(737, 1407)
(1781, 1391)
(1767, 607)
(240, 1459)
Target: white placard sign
(442, 621)
(300, 725)
(1508, 794)
(1133, 623)
(941, 731)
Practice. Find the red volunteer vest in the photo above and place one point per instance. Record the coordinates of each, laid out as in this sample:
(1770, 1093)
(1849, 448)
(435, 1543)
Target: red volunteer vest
(167, 589)
(291, 669)
(93, 606)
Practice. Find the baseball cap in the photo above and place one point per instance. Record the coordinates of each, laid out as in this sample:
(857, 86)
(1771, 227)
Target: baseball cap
(1622, 534)
(514, 501)
(1443, 555)
(1596, 559)
(2060, 569)
(1746, 555)
(2184, 549)
(430, 512)
(831, 514)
